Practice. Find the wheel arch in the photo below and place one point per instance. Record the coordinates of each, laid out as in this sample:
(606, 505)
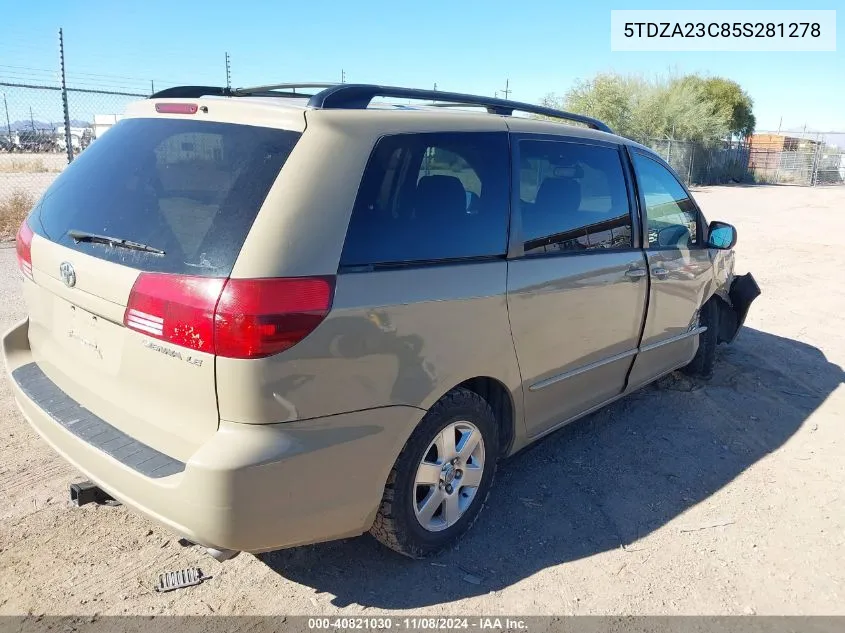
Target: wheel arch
(500, 399)
(727, 324)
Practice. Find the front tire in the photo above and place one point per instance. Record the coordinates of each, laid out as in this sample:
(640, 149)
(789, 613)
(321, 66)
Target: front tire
(704, 360)
(442, 477)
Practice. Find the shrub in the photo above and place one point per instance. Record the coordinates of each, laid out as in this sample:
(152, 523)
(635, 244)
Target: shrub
(13, 210)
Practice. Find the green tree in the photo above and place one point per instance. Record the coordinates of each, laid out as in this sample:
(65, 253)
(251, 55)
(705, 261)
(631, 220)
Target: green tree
(686, 108)
(679, 109)
(731, 102)
(606, 96)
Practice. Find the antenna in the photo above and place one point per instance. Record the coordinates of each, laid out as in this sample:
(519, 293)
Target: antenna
(228, 72)
(342, 76)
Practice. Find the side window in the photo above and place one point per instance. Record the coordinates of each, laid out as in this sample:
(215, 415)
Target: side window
(429, 197)
(572, 197)
(672, 215)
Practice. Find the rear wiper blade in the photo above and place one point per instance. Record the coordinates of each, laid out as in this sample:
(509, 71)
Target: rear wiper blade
(83, 236)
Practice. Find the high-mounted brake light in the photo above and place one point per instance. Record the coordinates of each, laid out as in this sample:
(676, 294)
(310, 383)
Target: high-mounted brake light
(236, 318)
(177, 108)
(23, 246)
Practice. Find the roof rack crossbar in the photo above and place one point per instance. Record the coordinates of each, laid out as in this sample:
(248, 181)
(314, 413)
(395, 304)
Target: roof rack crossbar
(287, 87)
(191, 92)
(195, 92)
(358, 96)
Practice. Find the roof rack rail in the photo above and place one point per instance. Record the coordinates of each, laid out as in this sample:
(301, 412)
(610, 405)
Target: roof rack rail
(358, 96)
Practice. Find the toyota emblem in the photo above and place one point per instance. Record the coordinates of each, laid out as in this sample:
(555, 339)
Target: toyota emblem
(68, 274)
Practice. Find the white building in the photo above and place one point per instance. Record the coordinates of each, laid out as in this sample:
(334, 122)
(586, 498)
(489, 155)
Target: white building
(76, 134)
(103, 122)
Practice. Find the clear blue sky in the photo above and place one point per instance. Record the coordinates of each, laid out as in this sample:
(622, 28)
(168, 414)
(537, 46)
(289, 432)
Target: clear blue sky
(462, 45)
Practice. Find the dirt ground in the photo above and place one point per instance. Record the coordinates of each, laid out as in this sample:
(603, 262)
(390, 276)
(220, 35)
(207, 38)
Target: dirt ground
(28, 162)
(28, 174)
(685, 498)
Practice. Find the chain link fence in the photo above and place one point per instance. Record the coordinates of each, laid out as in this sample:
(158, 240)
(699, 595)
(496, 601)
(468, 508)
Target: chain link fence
(699, 164)
(34, 143)
(763, 159)
(830, 166)
(785, 159)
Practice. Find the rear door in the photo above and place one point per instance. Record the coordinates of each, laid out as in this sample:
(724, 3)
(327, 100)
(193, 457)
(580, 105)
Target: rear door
(183, 194)
(577, 281)
(679, 266)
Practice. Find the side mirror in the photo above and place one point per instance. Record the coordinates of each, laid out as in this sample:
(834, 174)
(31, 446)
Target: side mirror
(721, 235)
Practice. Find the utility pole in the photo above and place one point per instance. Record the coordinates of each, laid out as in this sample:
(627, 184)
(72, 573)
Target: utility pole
(68, 139)
(31, 120)
(342, 76)
(228, 72)
(8, 124)
(152, 87)
(507, 89)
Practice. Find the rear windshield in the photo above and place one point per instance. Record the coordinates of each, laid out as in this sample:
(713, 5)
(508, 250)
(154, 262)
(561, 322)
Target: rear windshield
(189, 188)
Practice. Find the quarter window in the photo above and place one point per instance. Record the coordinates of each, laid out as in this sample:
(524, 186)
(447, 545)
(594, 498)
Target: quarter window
(572, 197)
(431, 197)
(672, 215)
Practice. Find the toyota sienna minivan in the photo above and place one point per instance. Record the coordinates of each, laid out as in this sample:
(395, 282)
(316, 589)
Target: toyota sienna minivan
(295, 313)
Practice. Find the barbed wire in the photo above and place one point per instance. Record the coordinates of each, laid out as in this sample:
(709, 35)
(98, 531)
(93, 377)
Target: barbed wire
(19, 65)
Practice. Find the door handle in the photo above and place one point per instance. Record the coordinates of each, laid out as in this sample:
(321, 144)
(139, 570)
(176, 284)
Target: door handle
(660, 273)
(635, 273)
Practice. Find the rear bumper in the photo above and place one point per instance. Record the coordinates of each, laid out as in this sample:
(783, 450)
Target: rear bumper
(249, 487)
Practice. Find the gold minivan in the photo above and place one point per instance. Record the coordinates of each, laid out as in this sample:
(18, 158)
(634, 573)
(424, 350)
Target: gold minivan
(282, 315)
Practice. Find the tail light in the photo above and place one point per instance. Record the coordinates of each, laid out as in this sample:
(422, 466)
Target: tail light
(175, 308)
(260, 317)
(236, 318)
(23, 245)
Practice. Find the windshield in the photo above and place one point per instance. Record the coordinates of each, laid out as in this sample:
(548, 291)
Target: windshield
(189, 188)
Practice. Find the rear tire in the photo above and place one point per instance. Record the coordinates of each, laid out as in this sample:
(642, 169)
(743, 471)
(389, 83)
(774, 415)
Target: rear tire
(704, 360)
(418, 517)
